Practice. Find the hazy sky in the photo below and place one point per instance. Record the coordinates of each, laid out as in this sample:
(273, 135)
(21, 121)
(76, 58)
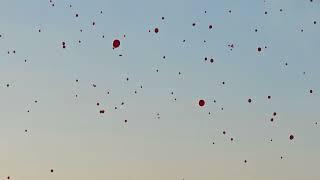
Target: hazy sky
(48, 120)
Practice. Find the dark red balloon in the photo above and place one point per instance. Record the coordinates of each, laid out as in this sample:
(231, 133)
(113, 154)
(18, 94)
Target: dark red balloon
(291, 137)
(259, 49)
(116, 43)
(201, 102)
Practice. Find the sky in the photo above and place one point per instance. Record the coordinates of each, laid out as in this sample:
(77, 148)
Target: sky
(91, 110)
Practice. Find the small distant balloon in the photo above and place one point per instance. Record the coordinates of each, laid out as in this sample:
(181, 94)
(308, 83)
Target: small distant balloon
(156, 30)
(201, 103)
(116, 43)
(291, 137)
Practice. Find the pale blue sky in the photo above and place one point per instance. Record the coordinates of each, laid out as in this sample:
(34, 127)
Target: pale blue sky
(69, 135)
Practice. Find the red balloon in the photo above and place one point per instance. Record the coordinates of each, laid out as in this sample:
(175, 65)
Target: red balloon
(291, 137)
(201, 102)
(116, 43)
(259, 49)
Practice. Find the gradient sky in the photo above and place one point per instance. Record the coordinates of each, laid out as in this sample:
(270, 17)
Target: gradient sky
(68, 134)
